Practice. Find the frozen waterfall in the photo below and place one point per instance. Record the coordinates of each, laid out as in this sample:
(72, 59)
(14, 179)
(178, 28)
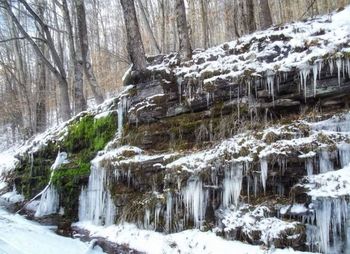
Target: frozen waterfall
(95, 202)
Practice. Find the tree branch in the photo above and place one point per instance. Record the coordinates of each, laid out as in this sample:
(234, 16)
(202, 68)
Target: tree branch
(21, 38)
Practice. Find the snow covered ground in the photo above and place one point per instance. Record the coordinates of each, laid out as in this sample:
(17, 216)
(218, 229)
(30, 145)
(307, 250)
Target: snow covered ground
(7, 163)
(185, 242)
(20, 236)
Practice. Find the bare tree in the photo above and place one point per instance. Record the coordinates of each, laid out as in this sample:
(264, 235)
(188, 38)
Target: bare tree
(41, 112)
(204, 14)
(264, 14)
(58, 71)
(148, 26)
(84, 46)
(182, 28)
(251, 25)
(134, 41)
(77, 63)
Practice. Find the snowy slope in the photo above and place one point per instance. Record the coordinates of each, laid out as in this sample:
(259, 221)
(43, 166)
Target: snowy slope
(19, 236)
(185, 242)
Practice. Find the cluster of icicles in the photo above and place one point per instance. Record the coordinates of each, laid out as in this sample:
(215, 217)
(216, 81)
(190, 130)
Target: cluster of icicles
(272, 81)
(327, 227)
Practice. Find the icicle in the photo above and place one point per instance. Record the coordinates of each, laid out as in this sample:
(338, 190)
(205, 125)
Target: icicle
(110, 210)
(264, 169)
(309, 166)
(347, 61)
(255, 185)
(189, 88)
(249, 89)
(331, 66)
(95, 202)
(208, 99)
(338, 63)
(320, 66)
(304, 74)
(344, 154)
(315, 71)
(331, 215)
(169, 211)
(147, 219)
(120, 119)
(270, 85)
(232, 185)
(326, 163)
(195, 200)
(156, 216)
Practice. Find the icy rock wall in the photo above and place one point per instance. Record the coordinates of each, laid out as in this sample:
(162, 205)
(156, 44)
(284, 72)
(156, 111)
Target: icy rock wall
(329, 227)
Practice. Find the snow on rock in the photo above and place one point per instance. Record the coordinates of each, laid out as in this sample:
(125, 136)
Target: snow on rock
(250, 219)
(7, 163)
(20, 236)
(295, 209)
(186, 242)
(330, 184)
(303, 46)
(13, 196)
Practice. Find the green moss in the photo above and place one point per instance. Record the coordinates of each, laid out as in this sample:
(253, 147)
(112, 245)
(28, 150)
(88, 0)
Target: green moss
(68, 181)
(84, 139)
(90, 134)
(86, 136)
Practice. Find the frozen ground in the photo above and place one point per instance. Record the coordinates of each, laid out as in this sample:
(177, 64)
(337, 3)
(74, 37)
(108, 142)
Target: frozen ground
(20, 236)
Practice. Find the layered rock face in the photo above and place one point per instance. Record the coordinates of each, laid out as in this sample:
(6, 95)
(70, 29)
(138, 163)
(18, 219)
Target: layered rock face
(249, 139)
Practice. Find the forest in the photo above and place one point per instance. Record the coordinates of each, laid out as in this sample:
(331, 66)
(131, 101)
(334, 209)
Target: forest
(59, 57)
(174, 126)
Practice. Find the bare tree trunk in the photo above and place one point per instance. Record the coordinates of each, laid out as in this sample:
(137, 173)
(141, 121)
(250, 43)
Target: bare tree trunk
(182, 28)
(148, 26)
(265, 14)
(84, 45)
(41, 112)
(204, 15)
(162, 9)
(229, 20)
(78, 69)
(251, 25)
(134, 41)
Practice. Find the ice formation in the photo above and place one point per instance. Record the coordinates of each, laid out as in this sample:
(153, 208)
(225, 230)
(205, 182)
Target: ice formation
(95, 202)
(49, 202)
(331, 226)
(232, 184)
(263, 168)
(195, 201)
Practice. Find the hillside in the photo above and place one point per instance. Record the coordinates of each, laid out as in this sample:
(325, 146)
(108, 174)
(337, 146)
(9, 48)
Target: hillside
(246, 147)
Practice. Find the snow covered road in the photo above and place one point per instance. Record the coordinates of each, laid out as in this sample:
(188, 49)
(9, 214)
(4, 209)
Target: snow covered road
(20, 236)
